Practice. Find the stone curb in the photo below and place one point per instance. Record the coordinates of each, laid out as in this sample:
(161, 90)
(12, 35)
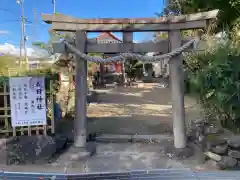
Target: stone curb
(113, 138)
(116, 138)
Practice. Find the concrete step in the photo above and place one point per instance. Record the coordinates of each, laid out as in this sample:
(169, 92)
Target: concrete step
(117, 138)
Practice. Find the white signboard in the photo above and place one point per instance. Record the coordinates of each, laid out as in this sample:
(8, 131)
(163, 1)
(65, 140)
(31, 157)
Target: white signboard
(28, 102)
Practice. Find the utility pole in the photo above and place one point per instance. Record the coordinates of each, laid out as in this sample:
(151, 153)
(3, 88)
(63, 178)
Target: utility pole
(35, 28)
(23, 38)
(35, 23)
(54, 6)
(21, 29)
(25, 50)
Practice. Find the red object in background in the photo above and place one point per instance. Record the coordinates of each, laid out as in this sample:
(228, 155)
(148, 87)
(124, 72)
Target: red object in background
(118, 67)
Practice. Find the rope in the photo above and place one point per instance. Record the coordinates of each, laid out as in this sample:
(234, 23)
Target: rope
(130, 56)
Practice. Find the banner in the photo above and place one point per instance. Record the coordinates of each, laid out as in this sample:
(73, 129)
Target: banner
(28, 101)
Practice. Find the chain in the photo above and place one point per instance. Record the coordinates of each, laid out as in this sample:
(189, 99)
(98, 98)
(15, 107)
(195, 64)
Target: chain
(130, 56)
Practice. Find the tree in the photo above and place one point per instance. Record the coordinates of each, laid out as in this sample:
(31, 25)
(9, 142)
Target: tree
(229, 10)
(53, 37)
(7, 63)
(133, 68)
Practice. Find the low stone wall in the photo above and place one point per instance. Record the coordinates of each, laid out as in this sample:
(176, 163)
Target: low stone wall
(36, 149)
(221, 150)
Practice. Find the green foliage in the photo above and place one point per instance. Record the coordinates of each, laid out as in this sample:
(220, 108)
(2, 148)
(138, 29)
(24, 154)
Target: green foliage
(228, 15)
(133, 68)
(90, 64)
(96, 54)
(53, 37)
(56, 13)
(214, 76)
(49, 75)
(7, 62)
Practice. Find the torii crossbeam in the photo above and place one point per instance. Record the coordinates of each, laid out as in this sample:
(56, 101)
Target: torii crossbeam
(172, 24)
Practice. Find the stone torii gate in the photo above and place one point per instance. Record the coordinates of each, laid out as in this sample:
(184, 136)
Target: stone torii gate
(173, 25)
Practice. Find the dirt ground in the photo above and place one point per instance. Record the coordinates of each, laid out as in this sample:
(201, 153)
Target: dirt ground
(143, 110)
(136, 110)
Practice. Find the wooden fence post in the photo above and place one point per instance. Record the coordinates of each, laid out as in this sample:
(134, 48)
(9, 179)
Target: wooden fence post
(80, 93)
(177, 86)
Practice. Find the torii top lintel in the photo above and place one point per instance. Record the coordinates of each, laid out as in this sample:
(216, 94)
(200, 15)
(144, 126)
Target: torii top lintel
(190, 21)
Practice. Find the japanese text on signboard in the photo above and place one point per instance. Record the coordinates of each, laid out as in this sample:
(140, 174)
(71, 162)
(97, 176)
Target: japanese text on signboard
(28, 102)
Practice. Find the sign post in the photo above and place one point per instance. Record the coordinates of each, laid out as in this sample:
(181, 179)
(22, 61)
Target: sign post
(28, 101)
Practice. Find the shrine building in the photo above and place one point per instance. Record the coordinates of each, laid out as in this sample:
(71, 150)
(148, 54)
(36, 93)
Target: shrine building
(108, 70)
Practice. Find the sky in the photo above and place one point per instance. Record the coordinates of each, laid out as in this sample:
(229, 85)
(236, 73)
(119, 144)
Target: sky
(37, 30)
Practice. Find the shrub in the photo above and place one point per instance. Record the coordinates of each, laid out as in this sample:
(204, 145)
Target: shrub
(48, 73)
(214, 77)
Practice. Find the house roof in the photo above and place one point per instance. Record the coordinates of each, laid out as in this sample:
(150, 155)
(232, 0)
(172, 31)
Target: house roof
(105, 34)
(108, 34)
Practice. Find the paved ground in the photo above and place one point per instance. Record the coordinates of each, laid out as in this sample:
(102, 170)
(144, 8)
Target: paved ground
(114, 157)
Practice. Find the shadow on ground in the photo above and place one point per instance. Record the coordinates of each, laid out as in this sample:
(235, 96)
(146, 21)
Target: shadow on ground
(132, 111)
(130, 125)
(133, 95)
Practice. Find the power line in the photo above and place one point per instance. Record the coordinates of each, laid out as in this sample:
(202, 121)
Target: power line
(11, 21)
(12, 12)
(8, 10)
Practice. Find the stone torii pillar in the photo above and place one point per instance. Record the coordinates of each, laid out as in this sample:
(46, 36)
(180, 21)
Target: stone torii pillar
(177, 86)
(80, 121)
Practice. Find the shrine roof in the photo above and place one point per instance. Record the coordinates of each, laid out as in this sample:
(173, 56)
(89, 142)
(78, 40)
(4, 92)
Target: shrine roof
(108, 34)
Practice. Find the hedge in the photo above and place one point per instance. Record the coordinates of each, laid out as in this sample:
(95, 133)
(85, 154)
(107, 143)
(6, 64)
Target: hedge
(48, 73)
(214, 78)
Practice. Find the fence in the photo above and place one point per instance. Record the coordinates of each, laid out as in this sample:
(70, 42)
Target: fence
(5, 114)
